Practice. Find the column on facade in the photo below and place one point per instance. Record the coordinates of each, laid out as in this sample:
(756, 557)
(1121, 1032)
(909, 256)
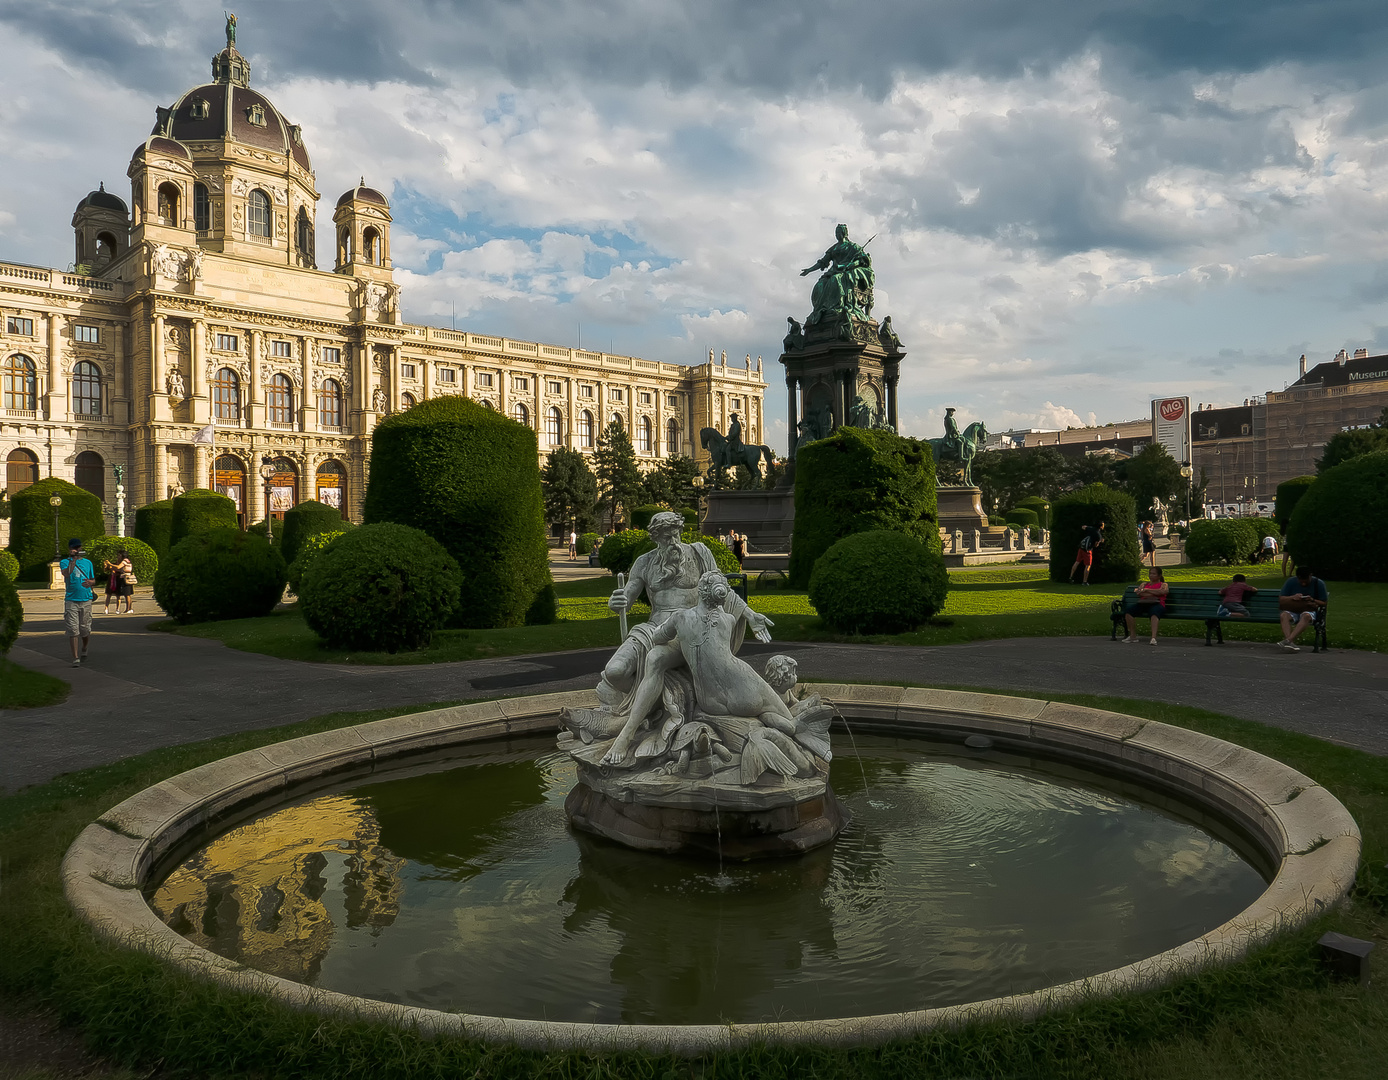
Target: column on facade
(308, 407)
(362, 380)
(157, 359)
(197, 375)
(56, 396)
(465, 380)
(392, 378)
(426, 376)
(254, 401)
(891, 399)
(658, 436)
(160, 487)
(571, 400)
(255, 485)
(118, 383)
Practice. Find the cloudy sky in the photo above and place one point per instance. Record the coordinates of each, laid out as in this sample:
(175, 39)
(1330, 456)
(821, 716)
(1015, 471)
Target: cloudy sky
(1079, 204)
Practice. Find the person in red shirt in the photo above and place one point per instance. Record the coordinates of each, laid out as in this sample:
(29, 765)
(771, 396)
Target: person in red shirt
(1150, 600)
(1233, 595)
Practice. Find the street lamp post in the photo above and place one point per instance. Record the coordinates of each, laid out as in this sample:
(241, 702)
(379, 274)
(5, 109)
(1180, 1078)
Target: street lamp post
(55, 578)
(268, 471)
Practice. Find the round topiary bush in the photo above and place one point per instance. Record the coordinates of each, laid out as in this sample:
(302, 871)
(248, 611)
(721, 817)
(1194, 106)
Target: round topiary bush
(1117, 558)
(860, 481)
(691, 517)
(619, 550)
(31, 523)
(1023, 518)
(380, 588)
(154, 526)
(1289, 493)
(11, 615)
(641, 516)
(304, 520)
(142, 557)
(198, 511)
(9, 567)
(586, 542)
(1223, 542)
(1038, 506)
(722, 554)
(470, 478)
(1337, 528)
(219, 574)
(879, 582)
(309, 550)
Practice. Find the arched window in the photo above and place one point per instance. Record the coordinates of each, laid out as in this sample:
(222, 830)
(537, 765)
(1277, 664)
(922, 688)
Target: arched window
(329, 403)
(672, 438)
(21, 470)
(86, 389)
(168, 204)
(258, 214)
(554, 426)
(89, 473)
(229, 479)
(20, 383)
(520, 414)
(407, 401)
(202, 208)
(331, 483)
(585, 428)
(303, 240)
(617, 419)
(489, 405)
(105, 247)
(643, 435)
(371, 246)
(279, 399)
(226, 395)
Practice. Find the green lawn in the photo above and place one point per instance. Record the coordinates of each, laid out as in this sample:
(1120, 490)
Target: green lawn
(1275, 1016)
(21, 688)
(995, 602)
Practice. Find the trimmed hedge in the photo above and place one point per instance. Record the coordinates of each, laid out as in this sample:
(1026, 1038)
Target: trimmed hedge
(198, 511)
(154, 526)
(470, 478)
(219, 574)
(1289, 493)
(1023, 518)
(9, 567)
(997, 520)
(1038, 506)
(1338, 527)
(1225, 541)
(309, 550)
(879, 582)
(380, 588)
(860, 481)
(1118, 558)
(142, 557)
(586, 542)
(262, 529)
(691, 517)
(31, 523)
(641, 516)
(306, 519)
(621, 550)
(11, 615)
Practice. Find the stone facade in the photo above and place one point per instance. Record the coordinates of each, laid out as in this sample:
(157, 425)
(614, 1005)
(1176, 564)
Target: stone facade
(202, 307)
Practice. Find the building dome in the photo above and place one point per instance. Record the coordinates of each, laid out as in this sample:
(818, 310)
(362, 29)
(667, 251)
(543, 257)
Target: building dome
(364, 194)
(102, 199)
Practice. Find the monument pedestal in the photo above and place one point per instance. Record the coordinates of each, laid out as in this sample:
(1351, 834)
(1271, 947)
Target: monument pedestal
(960, 508)
(766, 518)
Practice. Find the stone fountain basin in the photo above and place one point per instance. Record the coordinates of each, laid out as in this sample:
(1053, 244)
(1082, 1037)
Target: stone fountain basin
(1302, 831)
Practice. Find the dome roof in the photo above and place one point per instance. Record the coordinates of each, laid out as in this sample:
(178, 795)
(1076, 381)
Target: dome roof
(364, 194)
(104, 200)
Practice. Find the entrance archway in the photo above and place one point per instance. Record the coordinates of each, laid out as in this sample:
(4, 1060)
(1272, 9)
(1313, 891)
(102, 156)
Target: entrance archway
(331, 485)
(284, 487)
(229, 479)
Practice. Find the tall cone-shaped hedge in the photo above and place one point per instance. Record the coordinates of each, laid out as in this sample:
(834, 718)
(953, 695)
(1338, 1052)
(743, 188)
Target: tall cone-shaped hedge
(860, 480)
(1118, 558)
(31, 523)
(470, 478)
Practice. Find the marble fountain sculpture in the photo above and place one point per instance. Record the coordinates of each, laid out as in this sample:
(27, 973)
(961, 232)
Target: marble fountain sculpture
(691, 749)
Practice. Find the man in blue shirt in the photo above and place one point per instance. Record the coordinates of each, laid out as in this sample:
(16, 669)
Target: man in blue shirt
(1304, 597)
(77, 599)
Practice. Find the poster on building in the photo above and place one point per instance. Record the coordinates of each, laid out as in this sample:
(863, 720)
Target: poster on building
(330, 496)
(1171, 426)
(281, 498)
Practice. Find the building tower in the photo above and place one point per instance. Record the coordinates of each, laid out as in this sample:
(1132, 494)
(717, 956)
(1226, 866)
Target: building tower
(362, 220)
(101, 223)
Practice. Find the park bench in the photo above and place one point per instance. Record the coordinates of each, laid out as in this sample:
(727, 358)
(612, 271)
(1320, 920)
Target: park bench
(1192, 603)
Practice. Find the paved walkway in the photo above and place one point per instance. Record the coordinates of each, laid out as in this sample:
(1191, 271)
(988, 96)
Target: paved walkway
(143, 689)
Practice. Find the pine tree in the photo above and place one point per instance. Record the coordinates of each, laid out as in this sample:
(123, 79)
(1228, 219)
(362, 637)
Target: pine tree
(571, 490)
(619, 478)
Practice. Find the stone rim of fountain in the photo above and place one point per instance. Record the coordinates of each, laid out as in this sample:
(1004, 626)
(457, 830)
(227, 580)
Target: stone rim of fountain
(1302, 829)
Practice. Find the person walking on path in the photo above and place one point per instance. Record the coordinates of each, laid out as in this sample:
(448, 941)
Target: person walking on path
(1149, 544)
(1304, 597)
(739, 546)
(573, 545)
(1090, 540)
(1150, 600)
(79, 577)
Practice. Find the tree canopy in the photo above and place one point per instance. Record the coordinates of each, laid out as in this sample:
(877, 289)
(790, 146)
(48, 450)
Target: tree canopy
(620, 483)
(570, 489)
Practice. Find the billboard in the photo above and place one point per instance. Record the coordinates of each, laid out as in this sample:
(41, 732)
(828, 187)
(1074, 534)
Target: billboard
(1171, 425)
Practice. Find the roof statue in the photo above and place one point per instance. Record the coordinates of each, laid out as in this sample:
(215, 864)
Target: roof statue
(231, 31)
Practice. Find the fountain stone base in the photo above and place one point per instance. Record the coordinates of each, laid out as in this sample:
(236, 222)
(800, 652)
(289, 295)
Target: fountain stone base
(702, 815)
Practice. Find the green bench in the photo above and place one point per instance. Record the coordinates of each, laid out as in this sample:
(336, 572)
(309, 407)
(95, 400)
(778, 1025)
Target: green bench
(1194, 604)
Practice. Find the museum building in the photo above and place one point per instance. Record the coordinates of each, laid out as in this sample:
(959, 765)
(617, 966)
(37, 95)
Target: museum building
(200, 308)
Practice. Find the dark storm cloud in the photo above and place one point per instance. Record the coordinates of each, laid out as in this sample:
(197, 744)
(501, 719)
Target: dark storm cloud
(770, 46)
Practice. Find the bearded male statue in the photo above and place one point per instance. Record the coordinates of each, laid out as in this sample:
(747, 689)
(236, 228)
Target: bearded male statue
(634, 681)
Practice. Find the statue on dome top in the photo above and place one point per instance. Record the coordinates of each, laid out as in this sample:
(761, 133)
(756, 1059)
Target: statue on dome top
(231, 31)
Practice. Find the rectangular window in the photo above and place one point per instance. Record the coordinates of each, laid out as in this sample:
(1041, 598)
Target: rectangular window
(585, 391)
(645, 398)
(615, 393)
(15, 325)
(484, 378)
(407, 371)
(556, 387)
(88, 335)
(332, 355)
(281, 348)
(518, 383)
(737, 403)
(672, 400)
(228, 343)
(447, 374)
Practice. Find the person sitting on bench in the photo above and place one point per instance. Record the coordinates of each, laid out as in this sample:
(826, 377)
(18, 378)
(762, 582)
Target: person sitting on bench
(1303, 596)
(1150, 600)
(1232, 597)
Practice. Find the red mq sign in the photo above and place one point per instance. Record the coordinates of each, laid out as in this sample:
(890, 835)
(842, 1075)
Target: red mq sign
(1172, 409)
